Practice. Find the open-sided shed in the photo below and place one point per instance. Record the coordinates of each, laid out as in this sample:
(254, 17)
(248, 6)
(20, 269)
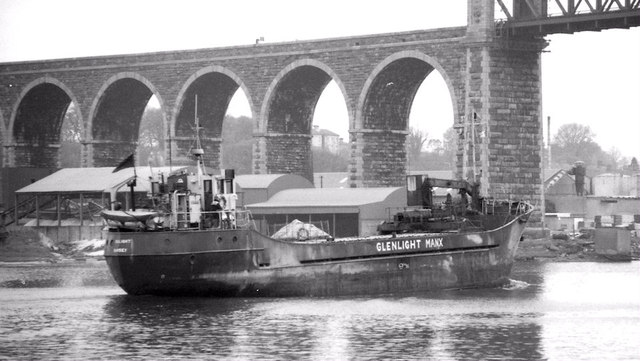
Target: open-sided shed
(77, 195)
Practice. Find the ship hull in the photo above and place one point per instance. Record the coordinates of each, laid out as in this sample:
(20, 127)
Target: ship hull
(244, 263)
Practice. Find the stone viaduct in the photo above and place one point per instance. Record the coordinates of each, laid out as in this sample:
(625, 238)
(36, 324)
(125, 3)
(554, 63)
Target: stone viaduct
(494, 84)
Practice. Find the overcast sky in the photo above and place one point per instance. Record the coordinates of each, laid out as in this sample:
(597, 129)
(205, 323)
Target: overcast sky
(591, 78)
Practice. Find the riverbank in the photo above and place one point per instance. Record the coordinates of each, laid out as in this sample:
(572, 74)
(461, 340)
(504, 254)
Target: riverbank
(567, 247)
(27, 245)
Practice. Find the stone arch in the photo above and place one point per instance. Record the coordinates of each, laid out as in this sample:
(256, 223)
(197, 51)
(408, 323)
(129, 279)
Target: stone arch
(382, 117)
(269, 95)
(114, 117)
(44, 117)
(284, 129)
(407, 54)
(215, 86)
(103, 89)
(210, 69)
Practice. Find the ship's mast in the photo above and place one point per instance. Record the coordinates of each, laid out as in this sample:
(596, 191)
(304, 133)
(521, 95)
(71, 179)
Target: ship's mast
(198, 151)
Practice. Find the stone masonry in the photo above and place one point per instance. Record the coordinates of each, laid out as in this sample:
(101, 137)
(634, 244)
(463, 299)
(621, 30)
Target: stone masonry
(496, 79)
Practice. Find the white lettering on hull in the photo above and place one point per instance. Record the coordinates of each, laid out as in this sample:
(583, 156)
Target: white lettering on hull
(122, 245)
(409, 244)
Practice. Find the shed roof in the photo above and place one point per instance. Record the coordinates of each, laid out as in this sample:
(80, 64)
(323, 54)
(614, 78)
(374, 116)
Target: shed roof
(91, 180)
(324, 132)
(260, 181)
(256, 180)
(554, 178)
(338, 200)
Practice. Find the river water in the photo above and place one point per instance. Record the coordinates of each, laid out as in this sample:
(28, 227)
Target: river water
(550, 311)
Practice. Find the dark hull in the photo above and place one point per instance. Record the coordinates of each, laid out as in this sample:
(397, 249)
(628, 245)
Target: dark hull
(245, 263)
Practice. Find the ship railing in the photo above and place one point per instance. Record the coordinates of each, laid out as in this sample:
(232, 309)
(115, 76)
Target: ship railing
(492, 205)
(421, 214)
(225, 219)
(523, 207)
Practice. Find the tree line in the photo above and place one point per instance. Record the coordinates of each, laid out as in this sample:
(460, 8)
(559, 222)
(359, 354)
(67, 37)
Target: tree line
(576, 142)
(572, 142)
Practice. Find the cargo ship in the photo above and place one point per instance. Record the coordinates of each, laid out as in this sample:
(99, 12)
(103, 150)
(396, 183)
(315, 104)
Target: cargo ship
(195, 241)
(192, 249)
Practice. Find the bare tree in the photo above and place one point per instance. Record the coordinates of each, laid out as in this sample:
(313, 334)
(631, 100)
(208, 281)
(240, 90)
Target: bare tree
(70, 137)
(151, 136)
(573, 134)
(616, 158)
(633, 166)
(415, 142)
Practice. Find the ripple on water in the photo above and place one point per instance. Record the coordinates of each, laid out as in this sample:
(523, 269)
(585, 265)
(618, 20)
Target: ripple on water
(535, 316)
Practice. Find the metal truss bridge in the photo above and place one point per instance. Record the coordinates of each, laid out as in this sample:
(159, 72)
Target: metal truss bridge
(542, 17)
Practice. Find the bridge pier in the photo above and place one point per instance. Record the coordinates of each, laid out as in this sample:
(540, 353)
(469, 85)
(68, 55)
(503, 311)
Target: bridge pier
(503, 118)
(283, 153)
(378, 158)
(108, 153)
(502, 123)
(32, 155)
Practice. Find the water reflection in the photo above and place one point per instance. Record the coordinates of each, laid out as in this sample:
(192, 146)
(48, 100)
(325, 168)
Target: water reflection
(505, 337)
(172, 327)
(343, 329)
(551, 311)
